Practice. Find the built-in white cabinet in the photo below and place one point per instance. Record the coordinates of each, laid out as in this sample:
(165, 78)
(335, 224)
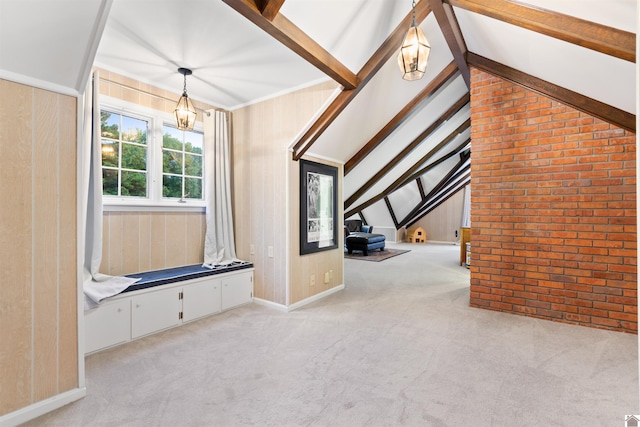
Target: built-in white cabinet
(155, 311)
(108, 325)
(136, 314)
(236, 290)
(202, 299)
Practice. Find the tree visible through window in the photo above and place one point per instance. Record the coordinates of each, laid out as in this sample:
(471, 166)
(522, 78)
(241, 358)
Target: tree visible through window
(124, 155)
(181, 163)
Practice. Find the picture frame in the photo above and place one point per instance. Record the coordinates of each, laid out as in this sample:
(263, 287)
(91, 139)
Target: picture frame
(318, 207)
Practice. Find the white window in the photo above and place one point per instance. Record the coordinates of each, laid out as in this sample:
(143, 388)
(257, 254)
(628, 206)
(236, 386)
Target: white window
(124, 155)
(147, 163)
(182, 163)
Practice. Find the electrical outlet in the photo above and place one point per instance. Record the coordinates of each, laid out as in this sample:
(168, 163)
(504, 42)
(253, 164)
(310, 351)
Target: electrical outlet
(327, 278)
(270, 251)
(312, 280)
(252, 249)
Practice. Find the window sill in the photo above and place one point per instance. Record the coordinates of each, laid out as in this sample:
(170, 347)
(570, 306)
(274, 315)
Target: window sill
(118, 206)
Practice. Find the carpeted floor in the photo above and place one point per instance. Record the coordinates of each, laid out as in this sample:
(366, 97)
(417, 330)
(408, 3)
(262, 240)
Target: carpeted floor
(399, 346)
(377, 255)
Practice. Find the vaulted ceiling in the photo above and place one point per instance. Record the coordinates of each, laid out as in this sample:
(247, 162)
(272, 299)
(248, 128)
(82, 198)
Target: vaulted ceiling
(405, 145)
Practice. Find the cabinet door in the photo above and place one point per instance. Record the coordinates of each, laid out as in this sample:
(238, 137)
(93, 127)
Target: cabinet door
(155, 311)
(237, 290)
(107, 325)
(200, 299)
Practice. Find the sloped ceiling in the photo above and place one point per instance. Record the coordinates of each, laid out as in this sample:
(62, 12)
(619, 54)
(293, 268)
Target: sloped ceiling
(404, 144)
(51, 43)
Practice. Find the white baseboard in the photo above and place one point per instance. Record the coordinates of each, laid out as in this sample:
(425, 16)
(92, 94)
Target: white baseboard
(314, 298)
(299, 304)
(40, 408)
(270, 304)
(444, 242)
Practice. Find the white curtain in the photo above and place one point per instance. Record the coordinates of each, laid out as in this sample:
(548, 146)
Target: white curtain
(97, 286)
(219, 242)
(466, 208)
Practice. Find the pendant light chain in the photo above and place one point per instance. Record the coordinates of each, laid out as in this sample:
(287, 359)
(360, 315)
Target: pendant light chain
(413, 7)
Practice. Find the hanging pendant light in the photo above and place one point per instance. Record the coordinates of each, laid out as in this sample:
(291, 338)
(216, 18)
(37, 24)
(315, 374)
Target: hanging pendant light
(414, 52)
(185, 112)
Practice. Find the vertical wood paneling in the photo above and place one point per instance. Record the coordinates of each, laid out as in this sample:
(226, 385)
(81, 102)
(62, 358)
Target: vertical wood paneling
(104, 264)
(442, 223)
(130, 243)
(158, 242)
(144, 254)
(116, 237)
(143, 241)
(262, 133)
(176, 239)
(15, 245)
(45, 228)
(194, 251)
(317, 264)
(67, 247)
(38, 258)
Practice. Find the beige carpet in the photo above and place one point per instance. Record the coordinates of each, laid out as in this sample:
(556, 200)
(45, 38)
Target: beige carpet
(400, 346)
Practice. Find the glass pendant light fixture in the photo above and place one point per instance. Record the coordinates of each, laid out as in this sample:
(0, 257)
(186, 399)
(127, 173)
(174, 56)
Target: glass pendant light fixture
(185, 112)
(414, 51)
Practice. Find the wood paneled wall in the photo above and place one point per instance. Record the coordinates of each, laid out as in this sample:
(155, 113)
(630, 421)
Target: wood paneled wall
(319, 263)
(142, 241)
(263, 174)
(38, 245)
(442, 223)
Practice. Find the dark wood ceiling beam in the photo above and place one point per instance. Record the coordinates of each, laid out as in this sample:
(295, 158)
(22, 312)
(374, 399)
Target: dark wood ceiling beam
(391, 212)
(598, 109)
(611, 41)
(389, 190)
(402, 115)
(419, 173)
(270, 8)
(447, 115)
(402, 179)
(459, 185)
(295, 39)
(455, 172)
(455, 185)
(420, 188)
(452, 34)
(372, 66)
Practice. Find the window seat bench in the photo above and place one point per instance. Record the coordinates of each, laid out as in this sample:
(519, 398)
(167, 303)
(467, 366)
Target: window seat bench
(164, 299)
(150, 279)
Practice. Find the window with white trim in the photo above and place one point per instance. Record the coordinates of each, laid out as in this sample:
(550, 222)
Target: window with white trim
(182, 162)
(147, 162)
(124, 155)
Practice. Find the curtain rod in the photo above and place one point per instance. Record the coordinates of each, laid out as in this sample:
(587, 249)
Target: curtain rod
(154, 95)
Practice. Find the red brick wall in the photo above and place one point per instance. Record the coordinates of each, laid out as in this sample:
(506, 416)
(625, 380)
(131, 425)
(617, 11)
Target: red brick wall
(553, 209)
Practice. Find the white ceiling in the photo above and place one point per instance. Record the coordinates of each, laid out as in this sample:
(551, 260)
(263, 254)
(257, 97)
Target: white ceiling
(235, 63)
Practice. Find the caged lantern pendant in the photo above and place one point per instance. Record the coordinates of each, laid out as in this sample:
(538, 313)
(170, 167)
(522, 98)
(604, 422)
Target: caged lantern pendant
(185, 112)
(414, 52)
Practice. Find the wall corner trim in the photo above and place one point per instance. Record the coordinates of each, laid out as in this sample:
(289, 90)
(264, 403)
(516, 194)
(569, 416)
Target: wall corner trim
(299, 304)
(37, 409)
